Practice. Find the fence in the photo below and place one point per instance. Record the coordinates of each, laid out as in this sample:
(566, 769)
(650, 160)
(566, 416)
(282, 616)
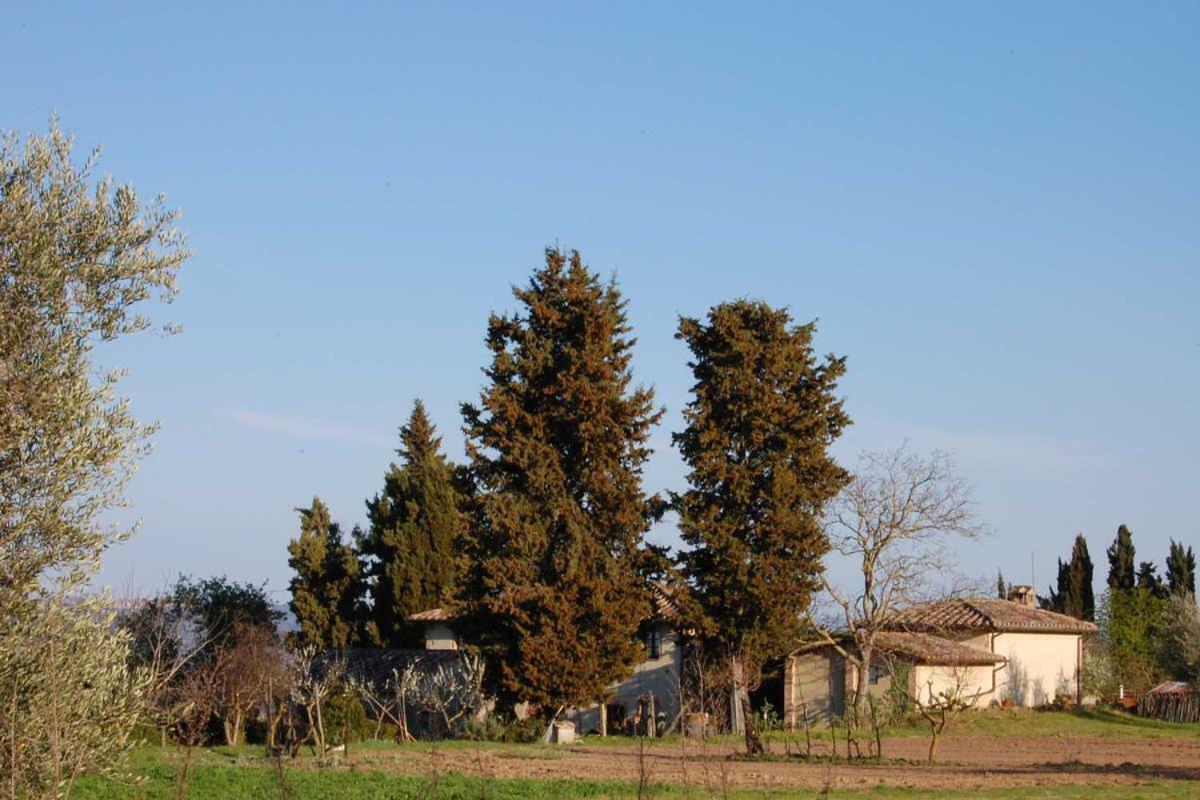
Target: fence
(1170, 707)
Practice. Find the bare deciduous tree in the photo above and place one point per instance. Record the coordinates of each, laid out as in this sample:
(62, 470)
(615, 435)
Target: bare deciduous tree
(252, 664)
(940, 701)
(893, 520)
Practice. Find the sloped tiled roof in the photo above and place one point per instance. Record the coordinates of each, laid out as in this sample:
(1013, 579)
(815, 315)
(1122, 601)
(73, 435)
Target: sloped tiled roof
(987, 615)
(431, 615)
(929, 649)
(924, 648)
(665, 606)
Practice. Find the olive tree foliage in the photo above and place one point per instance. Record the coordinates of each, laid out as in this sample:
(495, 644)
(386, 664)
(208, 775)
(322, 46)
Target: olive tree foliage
(1181, 637)
(78, 256)
(68, 701)
(893, 522)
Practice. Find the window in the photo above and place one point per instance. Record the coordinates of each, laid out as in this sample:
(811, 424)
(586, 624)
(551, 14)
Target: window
(873, 674)
(654, 644)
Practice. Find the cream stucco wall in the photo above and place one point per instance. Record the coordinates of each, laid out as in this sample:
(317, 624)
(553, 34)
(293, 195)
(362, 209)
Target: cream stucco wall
(967, 683)
(1040, 666)
(440, 636)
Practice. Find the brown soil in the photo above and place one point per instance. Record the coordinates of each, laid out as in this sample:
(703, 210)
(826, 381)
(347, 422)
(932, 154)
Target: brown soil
(966, 762)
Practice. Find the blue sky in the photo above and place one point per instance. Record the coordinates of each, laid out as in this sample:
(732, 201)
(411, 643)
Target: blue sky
(991, 211)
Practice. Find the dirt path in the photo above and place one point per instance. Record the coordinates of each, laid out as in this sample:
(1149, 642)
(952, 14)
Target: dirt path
(965, 763)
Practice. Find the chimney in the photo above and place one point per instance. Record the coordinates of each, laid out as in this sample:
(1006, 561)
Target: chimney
(1022, 595)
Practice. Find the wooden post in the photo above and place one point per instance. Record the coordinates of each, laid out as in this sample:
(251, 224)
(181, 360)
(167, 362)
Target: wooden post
(651, 718)
(603, 718)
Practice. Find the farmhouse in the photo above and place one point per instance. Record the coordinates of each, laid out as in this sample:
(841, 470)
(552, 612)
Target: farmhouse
(995, 650)
(650, 692)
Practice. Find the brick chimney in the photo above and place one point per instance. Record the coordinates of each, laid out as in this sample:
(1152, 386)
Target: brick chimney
(1022, 595)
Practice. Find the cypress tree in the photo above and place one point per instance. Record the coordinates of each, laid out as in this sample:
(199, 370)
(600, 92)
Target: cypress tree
(763, 414)
(1083, 604)
(1073, 593)
(1148, 580)
(1181, 569)
(413, 526)
(1120, 561)
(1060, 593)
(327, 588)
(1001, 587)
(556, 582)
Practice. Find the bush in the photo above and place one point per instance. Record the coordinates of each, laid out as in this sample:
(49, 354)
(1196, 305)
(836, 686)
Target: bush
(525, 731)
(496, 728)
(345, 718)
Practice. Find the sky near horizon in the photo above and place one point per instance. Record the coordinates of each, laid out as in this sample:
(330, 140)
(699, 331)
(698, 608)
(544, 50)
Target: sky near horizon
(992, 212)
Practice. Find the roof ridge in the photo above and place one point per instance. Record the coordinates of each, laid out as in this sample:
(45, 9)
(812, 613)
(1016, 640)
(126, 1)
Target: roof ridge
(970, 602)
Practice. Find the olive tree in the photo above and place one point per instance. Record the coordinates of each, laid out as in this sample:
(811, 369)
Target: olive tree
(78, 257)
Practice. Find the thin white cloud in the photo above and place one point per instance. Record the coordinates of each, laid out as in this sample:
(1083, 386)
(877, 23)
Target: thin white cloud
(1017, 454)
(302, 428)
(1026, 455)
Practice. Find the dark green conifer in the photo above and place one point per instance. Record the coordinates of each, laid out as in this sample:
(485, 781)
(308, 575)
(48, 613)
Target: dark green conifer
(1001, 586)
(1147, 579)
(1181, 569)
(328, 587)
(413, 526)
(763, 414)
(1073, 593)
(556, 586)
(1120, 561)
(1083, 605)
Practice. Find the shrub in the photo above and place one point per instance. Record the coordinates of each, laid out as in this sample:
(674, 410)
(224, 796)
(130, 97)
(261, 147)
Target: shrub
(344, 718)
(497, 728)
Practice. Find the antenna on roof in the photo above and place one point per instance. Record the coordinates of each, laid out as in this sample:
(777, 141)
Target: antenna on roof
(1032, 572)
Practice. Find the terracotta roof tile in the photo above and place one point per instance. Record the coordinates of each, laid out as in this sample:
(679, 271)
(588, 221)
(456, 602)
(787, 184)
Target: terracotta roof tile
(431, 615)
(987, 615)
(925, 648)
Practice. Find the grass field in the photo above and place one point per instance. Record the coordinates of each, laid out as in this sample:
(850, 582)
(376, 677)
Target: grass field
(1095, 755)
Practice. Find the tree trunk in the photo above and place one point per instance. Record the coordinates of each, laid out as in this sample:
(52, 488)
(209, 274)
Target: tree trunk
(864, 681)
(754, 745)
(934, 739)
(737, 692)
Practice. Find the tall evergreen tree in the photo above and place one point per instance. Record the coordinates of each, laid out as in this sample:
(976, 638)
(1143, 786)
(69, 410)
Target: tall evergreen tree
(763, 414)
(1060, 592)
(414, 524)
(1148, 580)
(556, 586)
(328, 587)
(1082, 575)
(1120, 561)
(1074, 594)
(1181, 569)
(1001, 586)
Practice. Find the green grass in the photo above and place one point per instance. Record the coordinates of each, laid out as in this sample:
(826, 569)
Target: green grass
(230, 782)
(231, 773)
(1078, 722)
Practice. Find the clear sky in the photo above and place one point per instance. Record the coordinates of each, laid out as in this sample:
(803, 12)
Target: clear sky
(993, 212)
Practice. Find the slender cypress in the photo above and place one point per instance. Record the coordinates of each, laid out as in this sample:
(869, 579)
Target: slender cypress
(1181, 569)
(1082, 573)
(1120, 561)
